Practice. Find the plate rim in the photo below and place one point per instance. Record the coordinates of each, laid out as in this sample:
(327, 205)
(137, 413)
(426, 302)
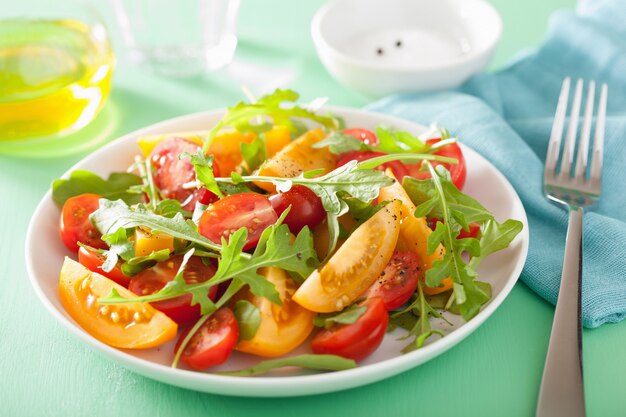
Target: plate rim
(283, 386)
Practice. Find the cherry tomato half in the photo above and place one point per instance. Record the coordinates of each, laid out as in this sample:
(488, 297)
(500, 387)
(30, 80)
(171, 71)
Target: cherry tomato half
(366, 136)
(153, 279)
(171, 172)
(224, 217)
(306, 208)
(93, 261)
(75, 225)
(398, 281)
(212, 344)
(458, 171)
(357, 340)
(399, 169)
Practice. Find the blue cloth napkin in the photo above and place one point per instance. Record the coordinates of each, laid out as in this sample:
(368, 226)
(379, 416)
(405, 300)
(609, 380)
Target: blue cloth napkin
(507, 116)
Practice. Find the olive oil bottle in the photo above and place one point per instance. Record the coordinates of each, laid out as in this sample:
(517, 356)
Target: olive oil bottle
(55, 76)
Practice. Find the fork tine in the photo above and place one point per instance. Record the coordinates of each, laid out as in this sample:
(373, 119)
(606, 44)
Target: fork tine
(583, 146)
(557, 128)
(572, 129)
(598, 141)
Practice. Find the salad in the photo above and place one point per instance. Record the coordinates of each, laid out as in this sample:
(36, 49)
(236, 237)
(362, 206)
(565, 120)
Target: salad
(277, 228)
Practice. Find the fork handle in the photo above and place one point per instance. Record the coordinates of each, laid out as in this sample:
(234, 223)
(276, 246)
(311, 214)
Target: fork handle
(561, 392)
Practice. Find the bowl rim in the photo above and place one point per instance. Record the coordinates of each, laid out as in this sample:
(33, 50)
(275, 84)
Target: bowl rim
(323, 45)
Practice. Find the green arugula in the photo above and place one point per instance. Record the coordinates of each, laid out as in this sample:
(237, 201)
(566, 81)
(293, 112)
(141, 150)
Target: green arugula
(119, 247)
(339, 142)
(170, 208)
(113, 215)
(275, 248)
(248, 318)
(416, 319)
(82, 182)
(136, 264)
(203, 166)
(438, 197)
(317, 362)
(356, 179)
(254, 153)
(346, 316)
(279, 106)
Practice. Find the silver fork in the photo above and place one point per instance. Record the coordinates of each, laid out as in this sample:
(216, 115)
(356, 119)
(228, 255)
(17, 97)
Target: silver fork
(562, 392)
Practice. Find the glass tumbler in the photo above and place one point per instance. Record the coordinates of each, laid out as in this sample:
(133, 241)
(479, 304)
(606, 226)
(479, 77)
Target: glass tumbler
(179, 38)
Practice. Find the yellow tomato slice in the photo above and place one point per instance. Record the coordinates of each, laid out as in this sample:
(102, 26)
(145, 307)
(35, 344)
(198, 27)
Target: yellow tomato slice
(297, 157)
(283, 327)
(355, 265)
(127, 326)
(414, 232)
(147, 242)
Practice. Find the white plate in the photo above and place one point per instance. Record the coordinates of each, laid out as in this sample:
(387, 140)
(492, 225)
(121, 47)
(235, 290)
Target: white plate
(45, 253)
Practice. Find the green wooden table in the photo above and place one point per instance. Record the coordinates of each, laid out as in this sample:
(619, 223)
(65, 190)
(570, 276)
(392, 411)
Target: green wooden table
(494, 372)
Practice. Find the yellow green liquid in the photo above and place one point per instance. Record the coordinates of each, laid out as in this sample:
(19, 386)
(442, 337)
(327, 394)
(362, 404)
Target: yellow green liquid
(54, 76)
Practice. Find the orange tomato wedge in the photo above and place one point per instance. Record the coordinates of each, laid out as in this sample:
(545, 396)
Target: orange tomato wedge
(127, 326)
(355, 265)
(297, 157)
(283, 327)
(414, 232)
(226, 149)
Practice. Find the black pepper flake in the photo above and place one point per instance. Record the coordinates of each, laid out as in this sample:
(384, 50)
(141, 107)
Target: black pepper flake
(398, 43)
(379, 51)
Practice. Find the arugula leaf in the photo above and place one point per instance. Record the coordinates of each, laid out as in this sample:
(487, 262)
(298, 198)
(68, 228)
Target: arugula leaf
(361, 211)
(81, 182)
(439, 198)
(254, 153)
(421, 329)
(113, 215)
(248, 318)
(317, 362)
(119, 247)
(170, 208)
(496, 236)
(135, 265)
(397, 141)
(203, 166)
(244, 117)
(347, 316)
(338, 143)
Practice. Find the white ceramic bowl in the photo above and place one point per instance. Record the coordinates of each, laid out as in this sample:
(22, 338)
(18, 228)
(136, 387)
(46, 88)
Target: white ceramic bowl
(45, 253)
(382, 47)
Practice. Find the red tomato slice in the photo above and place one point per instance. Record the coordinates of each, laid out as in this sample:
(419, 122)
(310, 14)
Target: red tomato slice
(458, 172)
(212, 344)
(306, 208)
(224, 217)
(171, 172)
(399, 169)
(398, 281)
(366, 136)
(75, 225)
(153, 279)
(206, 197)
(357, 340)
(93, 261)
